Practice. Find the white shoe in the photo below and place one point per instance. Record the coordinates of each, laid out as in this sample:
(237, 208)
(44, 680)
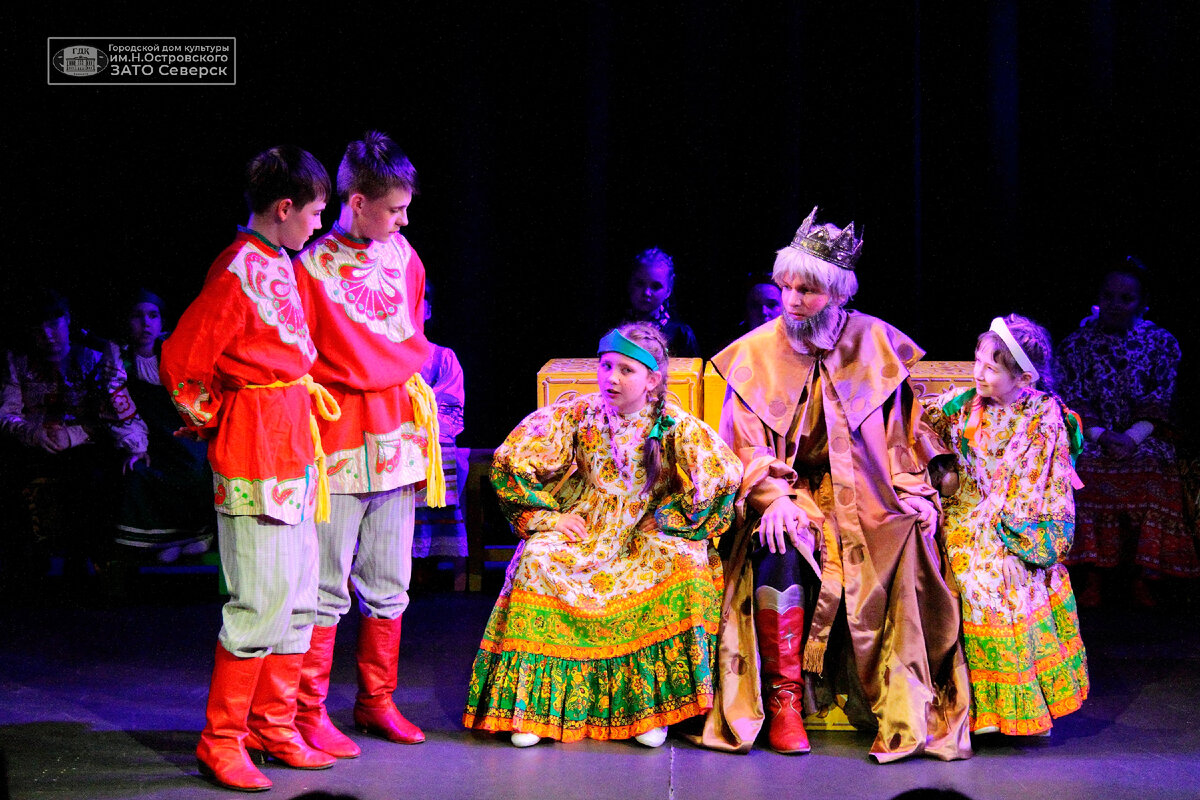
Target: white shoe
(986, 729)
(169, 555)
(197, 548)
(520, 739)
(653, 737)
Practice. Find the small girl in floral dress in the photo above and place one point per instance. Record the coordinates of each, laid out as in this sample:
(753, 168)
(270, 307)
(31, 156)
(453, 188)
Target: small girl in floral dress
(607, 622)
(1006, 529)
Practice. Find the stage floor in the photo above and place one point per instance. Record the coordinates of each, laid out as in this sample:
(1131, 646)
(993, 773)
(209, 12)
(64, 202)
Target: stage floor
(105, 700)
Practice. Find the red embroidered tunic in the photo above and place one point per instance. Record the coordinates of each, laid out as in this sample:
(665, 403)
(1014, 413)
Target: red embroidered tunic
(365, 300)
(247, 328)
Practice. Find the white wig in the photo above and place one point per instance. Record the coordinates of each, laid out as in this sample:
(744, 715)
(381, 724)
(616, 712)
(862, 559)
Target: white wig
(792, 264)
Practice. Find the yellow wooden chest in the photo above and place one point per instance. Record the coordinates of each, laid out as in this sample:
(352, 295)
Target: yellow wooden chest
(564, 378)
(931, 378)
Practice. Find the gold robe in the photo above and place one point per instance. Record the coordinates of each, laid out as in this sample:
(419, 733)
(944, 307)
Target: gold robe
(903, 618)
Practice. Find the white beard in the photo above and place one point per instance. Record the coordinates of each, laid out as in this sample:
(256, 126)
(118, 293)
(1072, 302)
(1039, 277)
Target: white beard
(818, 332)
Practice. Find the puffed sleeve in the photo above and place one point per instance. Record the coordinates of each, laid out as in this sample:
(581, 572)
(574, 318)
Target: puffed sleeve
(448, 389)
(531, 463)
(1072, 364)
(1158, 384)
(707, 477)
(117, 410)
(940, 409)
(189, 356)
(13, 420)
(1032, 502)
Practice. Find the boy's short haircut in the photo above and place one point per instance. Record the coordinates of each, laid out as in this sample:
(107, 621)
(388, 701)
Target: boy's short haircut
(284, 173)
(373, 167)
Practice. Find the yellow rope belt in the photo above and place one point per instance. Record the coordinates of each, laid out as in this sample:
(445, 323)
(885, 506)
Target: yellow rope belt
(328, 408)
(425, 416)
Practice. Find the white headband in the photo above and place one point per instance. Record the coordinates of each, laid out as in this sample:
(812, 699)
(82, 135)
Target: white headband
(1001, 329)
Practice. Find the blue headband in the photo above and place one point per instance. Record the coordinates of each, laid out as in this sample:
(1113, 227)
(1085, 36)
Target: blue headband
(615, 342)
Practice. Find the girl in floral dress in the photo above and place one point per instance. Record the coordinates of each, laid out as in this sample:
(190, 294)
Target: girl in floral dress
(1119, 372)
(606, 625)
(1006, 529)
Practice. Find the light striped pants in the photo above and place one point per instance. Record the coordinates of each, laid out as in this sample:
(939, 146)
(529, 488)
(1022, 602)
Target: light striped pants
(271, 571)
(367, 542)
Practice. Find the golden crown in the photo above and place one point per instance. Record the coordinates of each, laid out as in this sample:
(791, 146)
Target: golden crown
(827, 242)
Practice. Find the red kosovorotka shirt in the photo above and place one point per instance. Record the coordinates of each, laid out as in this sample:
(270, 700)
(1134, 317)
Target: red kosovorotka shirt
(247, 328)
(365, 303)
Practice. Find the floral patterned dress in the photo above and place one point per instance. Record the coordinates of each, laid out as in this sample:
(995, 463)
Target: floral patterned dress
(1027, 662)
(613, 635)
(1114, 379)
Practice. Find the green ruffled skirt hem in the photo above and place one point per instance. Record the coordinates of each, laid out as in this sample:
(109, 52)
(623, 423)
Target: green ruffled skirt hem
(603, 698)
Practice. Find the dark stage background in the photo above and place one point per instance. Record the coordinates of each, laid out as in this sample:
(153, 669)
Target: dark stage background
(998, 156)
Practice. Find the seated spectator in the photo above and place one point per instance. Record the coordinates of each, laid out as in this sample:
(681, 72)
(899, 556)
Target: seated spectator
(68, 427)
(763, 303)
(166, 502)
(441, 533)
(1118, 373)
(651, 282)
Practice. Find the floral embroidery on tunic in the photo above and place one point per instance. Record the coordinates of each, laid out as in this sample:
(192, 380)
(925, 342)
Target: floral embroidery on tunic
(290, 500)
(368, 283)
(383, 462)
(271, 286)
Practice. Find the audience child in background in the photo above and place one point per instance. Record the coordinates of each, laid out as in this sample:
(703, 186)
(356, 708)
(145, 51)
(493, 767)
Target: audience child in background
(441, 533)
(69, 429)
(763, 303)
(166, 501)
(237, 369)
(363, 285)
(651, 283)
(1007, 527)
(1119, 372)
(606, 625)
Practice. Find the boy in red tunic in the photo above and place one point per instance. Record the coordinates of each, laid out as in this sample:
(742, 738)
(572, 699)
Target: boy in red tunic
(362, 285)
(237, 368)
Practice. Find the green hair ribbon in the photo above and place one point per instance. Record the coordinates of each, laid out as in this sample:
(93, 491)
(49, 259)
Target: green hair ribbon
(661, 426)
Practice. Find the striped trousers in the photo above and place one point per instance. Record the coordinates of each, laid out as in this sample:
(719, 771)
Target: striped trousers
(271, 571)
(367, 543)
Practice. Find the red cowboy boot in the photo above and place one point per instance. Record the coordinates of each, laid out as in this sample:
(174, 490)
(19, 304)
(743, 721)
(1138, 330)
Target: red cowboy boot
(780, 634)
(378, 659)
(272, 720)
(312, 720)
(221, 752)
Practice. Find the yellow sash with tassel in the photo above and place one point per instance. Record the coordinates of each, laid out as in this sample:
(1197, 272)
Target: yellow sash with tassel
(425, 416)
(328, 408)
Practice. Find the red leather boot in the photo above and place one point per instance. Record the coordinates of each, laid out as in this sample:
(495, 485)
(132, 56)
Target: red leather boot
(221, 752)
(272, 721)
(780, 634)
(378, 659)
(312, 720)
